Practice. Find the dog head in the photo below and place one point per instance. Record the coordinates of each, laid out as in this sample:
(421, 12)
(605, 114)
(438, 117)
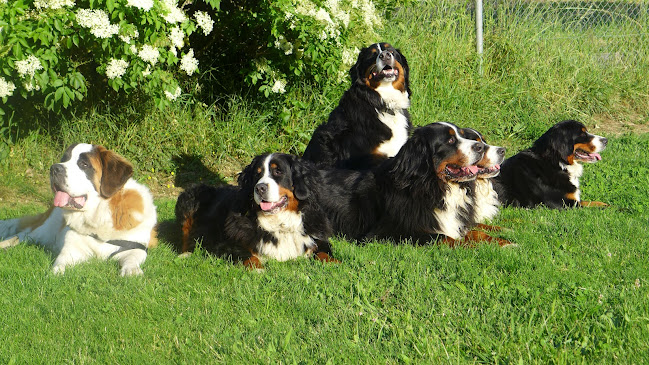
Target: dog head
(489, 166)
(439, 149)
(277, 182)
(87, 172)
(569, 142)
(381, 64)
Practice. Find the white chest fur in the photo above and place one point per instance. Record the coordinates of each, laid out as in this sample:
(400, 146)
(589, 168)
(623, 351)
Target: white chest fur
(574, 171)
(397, 102)
(455, 199)
(486, 201)
(287, 227)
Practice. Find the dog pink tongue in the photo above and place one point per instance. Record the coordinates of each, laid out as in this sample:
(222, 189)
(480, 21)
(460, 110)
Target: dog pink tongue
(473, 169)
(597, 156)
(266, 206)
(61, 199)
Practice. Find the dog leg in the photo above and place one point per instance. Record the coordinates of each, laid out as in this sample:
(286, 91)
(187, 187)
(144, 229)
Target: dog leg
(478, 236)
(592, 204)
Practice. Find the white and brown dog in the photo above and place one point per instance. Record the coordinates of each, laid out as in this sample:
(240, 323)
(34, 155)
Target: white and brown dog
(98, 211)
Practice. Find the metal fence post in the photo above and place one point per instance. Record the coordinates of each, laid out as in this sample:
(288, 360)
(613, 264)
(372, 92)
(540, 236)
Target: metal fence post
(478, 33)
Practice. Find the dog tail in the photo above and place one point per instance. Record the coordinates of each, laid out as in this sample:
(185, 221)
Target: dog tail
(188, 204)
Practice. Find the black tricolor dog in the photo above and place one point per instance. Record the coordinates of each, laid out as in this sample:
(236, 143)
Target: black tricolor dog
(371, 121)
(424, 193)
(548, 173)
(273, 213)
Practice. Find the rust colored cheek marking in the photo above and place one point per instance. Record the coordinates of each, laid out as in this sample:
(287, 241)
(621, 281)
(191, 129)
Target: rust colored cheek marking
(585, 146)
(400, 82)
(571, 158)
(292, 201)
(123, 206)
(34, 221)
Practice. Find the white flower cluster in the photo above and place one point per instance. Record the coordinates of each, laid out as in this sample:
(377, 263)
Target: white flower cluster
(174, 14)
(338, 14)
(284, 45)
(145, 5)
(31, 86)
(204, 21)
(279, 86)
(369, 13)
(174, 95)
(98, 22)
(28, 66)
(51, 4)
(6, 88)
(116, 68)
(127, 38)
(188, 63)
(149, 54)
(177, 37)
(349, 56)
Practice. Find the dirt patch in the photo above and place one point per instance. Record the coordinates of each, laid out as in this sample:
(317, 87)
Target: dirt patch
(608, 125)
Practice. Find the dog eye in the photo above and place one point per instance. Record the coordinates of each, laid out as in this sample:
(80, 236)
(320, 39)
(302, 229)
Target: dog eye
(83, 164)
(277, 172)
(451, 140)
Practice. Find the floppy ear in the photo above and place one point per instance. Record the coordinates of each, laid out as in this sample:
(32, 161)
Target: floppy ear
(246, 177)
(413, 163)
(115, 171)
(555, 145)
(303, 174)
(406, 68)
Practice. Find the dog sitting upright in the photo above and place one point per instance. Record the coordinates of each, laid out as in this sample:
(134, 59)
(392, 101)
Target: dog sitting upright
(371, 121)
(98, 210)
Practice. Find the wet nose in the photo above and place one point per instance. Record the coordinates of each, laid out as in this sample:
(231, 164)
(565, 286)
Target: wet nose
(57, 170)
(604, 141)
(500, 151)
(261, 189)
(385, 56)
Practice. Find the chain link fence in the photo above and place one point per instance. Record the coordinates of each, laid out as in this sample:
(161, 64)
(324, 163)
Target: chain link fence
(614, 31)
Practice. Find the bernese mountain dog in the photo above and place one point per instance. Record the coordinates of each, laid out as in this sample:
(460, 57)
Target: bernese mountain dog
(271, 214)
(548, 173)
(371, 121)
(425, 193)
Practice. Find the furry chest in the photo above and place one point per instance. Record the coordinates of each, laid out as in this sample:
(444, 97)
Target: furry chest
(291, 241)
(398, 124)
(451, 218)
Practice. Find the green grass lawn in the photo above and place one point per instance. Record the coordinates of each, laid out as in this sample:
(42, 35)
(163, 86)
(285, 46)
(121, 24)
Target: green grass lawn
(575, 289)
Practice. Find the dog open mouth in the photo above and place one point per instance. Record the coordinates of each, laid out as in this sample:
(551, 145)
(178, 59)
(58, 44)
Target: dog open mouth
(273, 207)
(64, 200)
(457, 173)
(585, 156)
(387, 73)
(487, 172)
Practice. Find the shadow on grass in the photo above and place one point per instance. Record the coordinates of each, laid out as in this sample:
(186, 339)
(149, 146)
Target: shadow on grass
(190, 170)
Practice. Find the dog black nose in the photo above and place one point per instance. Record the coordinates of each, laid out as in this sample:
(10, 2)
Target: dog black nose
(604, 141)
(500, 151)
(57, 170)
(478, 147)
(261, 189)
(385, 56)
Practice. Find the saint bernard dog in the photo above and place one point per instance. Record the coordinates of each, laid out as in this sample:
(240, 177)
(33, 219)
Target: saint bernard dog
(273, 213)
(425, 193)
(371, 121)
(548, 173)
(98, 211)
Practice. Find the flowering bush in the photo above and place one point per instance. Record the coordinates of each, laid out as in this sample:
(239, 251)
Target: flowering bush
(54, 50)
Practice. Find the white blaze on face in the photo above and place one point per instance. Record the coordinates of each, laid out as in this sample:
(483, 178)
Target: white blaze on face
(272, 192)
(465, 146)
(76, 180)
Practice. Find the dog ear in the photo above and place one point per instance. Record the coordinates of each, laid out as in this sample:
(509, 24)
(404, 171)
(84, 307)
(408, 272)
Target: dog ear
(115, 171)
(413, 162)
(555, 145)
(303, 174)
(354, 73)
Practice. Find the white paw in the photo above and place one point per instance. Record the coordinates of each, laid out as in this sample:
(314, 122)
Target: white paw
(10, 242)
(58, 270)
(131, 271)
